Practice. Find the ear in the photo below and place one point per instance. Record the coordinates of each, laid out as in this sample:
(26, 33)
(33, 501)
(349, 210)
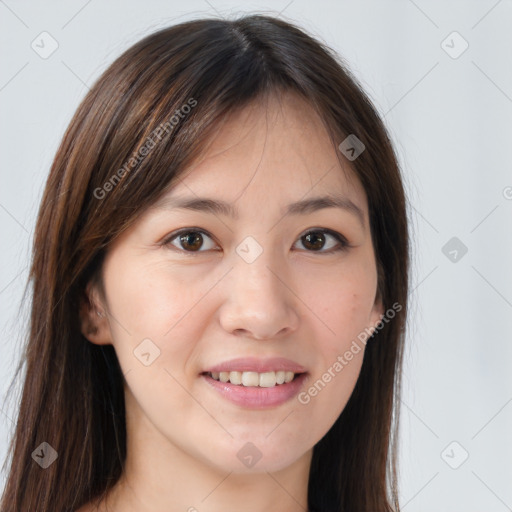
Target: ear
(377, 313)
(93, 316)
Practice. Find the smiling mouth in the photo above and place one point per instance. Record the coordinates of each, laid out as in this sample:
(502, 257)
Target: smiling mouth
(254, 379)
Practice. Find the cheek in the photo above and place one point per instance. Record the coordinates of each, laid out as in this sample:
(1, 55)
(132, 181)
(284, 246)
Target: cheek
(151, 299)
(154, 303)
(344, 309)
(343, 305)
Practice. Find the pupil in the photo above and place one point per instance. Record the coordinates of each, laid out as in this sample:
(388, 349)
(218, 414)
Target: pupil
(312, 237)
(190, 236)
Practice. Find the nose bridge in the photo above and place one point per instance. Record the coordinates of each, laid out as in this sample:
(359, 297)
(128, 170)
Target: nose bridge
(258, 302)
(255, 269)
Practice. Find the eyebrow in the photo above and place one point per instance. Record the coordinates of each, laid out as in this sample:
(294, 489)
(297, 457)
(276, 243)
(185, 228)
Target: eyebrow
(303, 207)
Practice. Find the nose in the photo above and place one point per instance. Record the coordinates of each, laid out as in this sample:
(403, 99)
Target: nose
(259, 300)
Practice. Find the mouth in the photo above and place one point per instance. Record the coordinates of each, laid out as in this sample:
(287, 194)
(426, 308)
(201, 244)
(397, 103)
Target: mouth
(254, 379)
(253, 390)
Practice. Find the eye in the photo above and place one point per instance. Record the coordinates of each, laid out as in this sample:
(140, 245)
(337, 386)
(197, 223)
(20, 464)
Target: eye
(314, 240)
(191, 240)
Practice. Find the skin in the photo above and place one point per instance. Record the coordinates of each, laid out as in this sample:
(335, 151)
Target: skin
(292, 301)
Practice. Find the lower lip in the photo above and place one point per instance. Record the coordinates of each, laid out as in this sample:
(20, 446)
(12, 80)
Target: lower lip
(256, 397)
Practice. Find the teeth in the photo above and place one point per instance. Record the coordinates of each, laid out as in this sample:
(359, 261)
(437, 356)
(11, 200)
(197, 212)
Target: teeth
(249, 378)
(253, 379)
(235, 377)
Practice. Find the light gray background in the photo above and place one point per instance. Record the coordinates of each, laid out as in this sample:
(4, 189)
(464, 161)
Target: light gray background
(450, 119)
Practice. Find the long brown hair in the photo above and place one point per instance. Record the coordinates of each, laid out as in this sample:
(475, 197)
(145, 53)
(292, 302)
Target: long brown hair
(100, 182)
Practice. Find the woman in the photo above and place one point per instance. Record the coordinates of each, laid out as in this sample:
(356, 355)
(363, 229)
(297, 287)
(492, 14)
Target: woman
(220, 276)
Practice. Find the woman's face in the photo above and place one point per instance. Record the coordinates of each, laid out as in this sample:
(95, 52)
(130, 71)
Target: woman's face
(261, 284)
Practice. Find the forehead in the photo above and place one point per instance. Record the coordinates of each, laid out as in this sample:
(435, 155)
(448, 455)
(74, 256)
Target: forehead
(276, 150)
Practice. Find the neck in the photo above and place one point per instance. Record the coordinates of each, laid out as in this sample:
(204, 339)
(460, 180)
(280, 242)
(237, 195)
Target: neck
(160, 476)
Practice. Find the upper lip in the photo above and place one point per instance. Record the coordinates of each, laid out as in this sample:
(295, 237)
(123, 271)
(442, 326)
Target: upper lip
(252, 364)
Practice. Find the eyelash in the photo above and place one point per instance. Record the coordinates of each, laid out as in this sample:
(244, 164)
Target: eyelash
(343, 244)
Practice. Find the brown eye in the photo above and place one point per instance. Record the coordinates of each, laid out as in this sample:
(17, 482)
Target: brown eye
(318, 240)
(315, 240)
(189, 240)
